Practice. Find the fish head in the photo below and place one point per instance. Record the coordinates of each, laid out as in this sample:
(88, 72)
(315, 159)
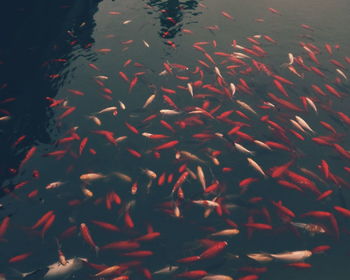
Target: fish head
(308, 253)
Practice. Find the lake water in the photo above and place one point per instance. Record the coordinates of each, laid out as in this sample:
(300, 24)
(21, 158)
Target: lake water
(75, 77)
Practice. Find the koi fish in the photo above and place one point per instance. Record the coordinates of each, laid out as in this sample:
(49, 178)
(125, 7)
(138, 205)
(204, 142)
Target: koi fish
(55, 270)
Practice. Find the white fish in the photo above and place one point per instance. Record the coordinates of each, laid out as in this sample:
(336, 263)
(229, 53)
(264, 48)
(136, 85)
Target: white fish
(342, 74)
(201, 176)
(215, 160)
(190, 156)
(217, 277)
(260, 257)
(262, 145)
(304, 124)
(269, 104)
(5, 118)
(233, 89)
(291, 58)
(88, 177)
(311, 228)
(151, 174)
(239, 47)
(311, 103)
(294, 71)
(54, 185)
(108, 109)
(298, 126)
(122, 105)
(242, 149)
(149, 101)
(256, 166)
(102, 77)
(146, 134)
(120, 139)
(55, 271)
(218, 134)
(169, 112)
(294, 256)
(145, 43)
(190, 88)
(307, 49)
(127, 21)
(206, 203)
(167, 270)
(226, 232)
(246, 106)
(177, 211)
(240, 55)
(96, 120)
(164, 72)
(217, 72)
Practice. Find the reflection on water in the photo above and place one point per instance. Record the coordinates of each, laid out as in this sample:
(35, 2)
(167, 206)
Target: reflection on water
(171, 14)
(36, 48)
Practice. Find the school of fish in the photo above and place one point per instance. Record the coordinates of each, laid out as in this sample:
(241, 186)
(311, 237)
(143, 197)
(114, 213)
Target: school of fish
(212, 153)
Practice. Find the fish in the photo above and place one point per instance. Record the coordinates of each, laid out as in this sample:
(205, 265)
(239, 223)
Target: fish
(256, 166)
(217, 277)
(304, 124)
(260, 257)
(166, 270)
(311, 228)
(89, 177)
(55, 270)
(244, 150)
(226, 232)
(54, 185)
(293, 256)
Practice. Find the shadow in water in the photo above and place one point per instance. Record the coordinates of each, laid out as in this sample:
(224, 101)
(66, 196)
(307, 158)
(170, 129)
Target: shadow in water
(36, 47)
(171, 15)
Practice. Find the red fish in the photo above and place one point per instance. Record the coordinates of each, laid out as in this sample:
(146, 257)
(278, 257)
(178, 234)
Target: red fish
(258, 226)
(82, 145)
(66, 113)
(28, 156)
(77, 92)
(193, 274)
(124, 77)
(121, 245)
(300, 265)
(345, 212)
(189, 259)
(48, 224)
(227, 15)
(19, 257)
(167, 145)
(285, 103)
(213, 250)
(85, 233)
(43, 219)
(106, 226)
(4, 226)
(133, 83)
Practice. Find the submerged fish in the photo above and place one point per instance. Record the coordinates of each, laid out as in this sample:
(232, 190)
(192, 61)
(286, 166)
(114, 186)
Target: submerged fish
(294, 256)
(53, 271)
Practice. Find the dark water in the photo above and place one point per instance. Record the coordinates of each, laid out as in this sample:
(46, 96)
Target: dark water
(46, 51)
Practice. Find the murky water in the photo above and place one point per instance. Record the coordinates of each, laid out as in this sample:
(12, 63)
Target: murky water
(70, 56)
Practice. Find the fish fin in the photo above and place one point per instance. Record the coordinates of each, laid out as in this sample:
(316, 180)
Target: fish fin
(35, 275)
